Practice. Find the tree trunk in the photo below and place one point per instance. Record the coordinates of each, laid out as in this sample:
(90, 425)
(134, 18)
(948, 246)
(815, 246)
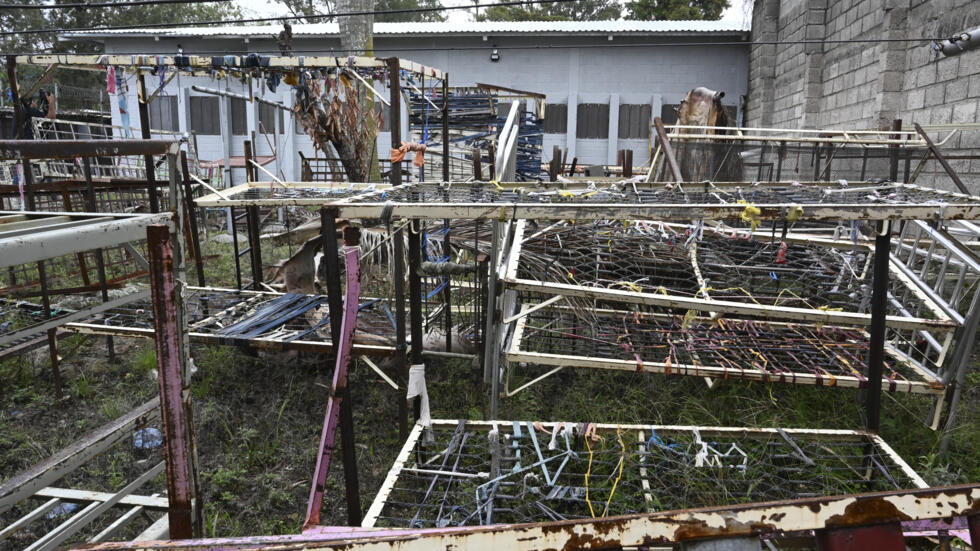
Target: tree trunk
(357, 39)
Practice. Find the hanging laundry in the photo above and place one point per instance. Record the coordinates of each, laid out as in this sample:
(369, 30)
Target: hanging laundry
(110, 79)
(121, 90)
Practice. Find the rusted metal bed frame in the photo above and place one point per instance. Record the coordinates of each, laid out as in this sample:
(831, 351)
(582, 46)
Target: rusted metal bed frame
(33, 237)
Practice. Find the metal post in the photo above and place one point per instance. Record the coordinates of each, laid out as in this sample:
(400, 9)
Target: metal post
(15, 97)
(446, 240)
(395, 116)
(192, 219)
(234, 242)
(490, 353)
(973, 522)
(43, 279)
(415, 297)
(254, 245)
(879, 304)
(628, 163)
(174, 390)
(145, 133)
(446, 162)
(99, 258)
(328, 232)
(343, 349)
(893, 155)
(400, 346)
(477, 164)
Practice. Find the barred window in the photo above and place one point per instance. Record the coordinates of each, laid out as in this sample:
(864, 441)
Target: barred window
(555, 118)
(205, 118)
(634, 121)
(592, 121)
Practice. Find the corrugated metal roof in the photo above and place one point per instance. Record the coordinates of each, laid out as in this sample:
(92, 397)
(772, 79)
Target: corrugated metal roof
(445, 28)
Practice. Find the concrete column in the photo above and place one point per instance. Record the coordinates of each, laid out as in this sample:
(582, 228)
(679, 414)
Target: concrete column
(813, 29)
(888, 89)
(574, 57)
(762, 63)
(612, 144)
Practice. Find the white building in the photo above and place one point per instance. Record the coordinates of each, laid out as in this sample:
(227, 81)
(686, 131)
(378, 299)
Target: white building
(604, 80)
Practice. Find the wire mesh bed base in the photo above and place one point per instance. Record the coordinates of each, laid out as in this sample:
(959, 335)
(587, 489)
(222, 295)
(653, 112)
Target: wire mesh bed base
(258, 319)
(485, 472)
(803, 278)
(790, 353)
(645, 201)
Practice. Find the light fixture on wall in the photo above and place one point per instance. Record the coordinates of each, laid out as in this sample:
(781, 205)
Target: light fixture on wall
(494, 54)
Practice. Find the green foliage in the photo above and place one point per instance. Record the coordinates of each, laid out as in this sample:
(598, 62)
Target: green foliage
(307, 8)
(17, 19)
(583, 10)
(676, 10)
(387, 5)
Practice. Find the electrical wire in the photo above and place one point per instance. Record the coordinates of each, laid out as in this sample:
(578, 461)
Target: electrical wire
(283, 18)
(407, 51)
(83, 5)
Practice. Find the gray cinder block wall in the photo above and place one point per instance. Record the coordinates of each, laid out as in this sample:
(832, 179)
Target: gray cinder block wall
(870, 82)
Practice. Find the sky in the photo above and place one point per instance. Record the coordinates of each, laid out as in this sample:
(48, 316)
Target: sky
(269, 8)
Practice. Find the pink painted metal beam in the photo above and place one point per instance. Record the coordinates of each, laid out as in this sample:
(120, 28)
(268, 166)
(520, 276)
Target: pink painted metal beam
(328, 437)
(177, 431)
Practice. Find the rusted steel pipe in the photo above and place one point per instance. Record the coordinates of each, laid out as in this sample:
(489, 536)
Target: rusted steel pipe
(331, 419)
(175, 414)
(192, 219)
(942, 160)
(675, 170)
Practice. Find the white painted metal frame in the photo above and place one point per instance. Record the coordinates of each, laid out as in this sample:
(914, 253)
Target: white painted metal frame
(517, 354)
(27, 237)
(403, 458)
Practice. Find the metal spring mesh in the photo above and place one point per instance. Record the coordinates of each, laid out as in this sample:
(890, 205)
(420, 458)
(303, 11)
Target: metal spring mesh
(513, 478)
(647, 258)
(687, 194)
(241, 315)
(780, 352)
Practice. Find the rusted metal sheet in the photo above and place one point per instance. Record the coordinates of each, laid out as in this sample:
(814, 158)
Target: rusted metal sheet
(178, 433)
(26, 483)
(68, 149)
(753, 519)
(331, 420)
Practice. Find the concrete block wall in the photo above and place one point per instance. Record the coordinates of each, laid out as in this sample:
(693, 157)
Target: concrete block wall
(869, 83)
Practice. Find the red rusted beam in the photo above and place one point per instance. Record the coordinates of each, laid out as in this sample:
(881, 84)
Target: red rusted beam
(880, 537)
(675, 170)
(331, 420)
(942, 160)
(175, 413)
(68, 149)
